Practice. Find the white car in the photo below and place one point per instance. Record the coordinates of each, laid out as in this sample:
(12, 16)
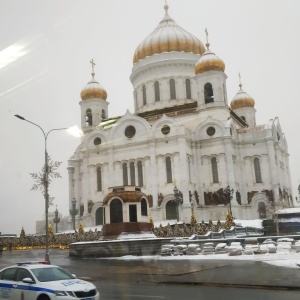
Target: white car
(41, 281)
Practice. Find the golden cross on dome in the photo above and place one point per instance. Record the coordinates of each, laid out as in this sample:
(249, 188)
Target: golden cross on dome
(207, 43)
(93, 65)
(240, 80)
(166, 7)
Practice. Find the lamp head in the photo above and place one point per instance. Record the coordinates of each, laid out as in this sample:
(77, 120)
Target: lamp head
(20, 117)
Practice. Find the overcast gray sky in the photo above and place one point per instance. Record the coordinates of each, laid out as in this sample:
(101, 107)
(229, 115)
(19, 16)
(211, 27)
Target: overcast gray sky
(45, 49)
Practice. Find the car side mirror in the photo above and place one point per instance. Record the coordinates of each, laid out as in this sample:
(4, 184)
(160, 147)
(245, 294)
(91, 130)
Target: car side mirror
(74, 275)
(28, 280)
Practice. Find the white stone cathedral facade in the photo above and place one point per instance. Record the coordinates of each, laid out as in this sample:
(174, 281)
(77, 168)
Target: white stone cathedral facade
(184, 132)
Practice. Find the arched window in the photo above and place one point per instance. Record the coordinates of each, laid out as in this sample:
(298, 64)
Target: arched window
(188, 88)
(125, 174)
(243, 118)
(214, 169)
(140, 173)
(157, 91)
(262, 210)
(88, 117)
(171, 213)
(116, 211)
(172, 89)
(132, 173)
(144, 95)
(99, 216)
(169, 169)
(103, 116)
(144, 209)
(99, 179)
(208, 93)
(257, 170)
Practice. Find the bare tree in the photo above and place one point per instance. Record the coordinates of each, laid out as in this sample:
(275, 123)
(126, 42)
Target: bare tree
(41, 177)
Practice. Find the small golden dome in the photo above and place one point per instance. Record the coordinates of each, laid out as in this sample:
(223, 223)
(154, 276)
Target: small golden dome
(93, 90)
(168, 37)
(209, 62)
(242, 99)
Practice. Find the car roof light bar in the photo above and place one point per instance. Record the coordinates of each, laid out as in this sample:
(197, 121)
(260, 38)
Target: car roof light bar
(44, 262)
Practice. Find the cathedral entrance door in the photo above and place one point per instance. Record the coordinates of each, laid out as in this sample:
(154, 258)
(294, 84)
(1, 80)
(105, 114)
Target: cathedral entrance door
(171, 210)
(132, 213)
(116, 211)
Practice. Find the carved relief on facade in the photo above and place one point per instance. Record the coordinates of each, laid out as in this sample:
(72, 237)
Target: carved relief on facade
(90, 206)
(268, 193)
(160, 199)
(215, 198)
(81, 210)
(238, 197)
(150, 200)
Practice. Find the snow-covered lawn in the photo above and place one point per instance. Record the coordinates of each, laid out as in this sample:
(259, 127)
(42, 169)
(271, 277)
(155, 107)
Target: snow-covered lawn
(287, 259)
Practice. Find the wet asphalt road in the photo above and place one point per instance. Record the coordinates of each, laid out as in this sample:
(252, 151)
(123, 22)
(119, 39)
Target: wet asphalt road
(178, 279)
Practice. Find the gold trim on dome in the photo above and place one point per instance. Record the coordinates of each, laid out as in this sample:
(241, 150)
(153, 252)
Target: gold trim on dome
(168, 37)
(209, 62)
(90, 93)
(167, 46)
(241, 103)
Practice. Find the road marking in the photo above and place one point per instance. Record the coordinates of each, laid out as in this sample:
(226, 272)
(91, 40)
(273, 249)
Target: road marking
(145, 296)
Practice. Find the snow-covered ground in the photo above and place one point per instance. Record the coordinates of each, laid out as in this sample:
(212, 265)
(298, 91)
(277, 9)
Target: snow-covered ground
(288, 259)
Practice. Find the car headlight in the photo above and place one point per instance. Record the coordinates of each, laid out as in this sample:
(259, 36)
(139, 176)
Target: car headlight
(61, 293)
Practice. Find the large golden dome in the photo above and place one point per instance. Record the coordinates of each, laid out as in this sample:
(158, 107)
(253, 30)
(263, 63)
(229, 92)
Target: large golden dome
(168, 37)
(242, 99)
(209, 62)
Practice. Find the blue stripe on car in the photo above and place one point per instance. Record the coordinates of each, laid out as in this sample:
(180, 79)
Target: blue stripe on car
(25, 287)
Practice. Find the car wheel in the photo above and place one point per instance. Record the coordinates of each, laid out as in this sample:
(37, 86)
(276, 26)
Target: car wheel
(43, 297)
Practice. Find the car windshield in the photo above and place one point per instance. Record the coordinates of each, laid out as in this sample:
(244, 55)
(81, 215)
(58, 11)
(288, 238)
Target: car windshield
(51, 274)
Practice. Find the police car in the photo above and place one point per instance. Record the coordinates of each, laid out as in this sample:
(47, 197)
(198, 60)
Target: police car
(41, 281)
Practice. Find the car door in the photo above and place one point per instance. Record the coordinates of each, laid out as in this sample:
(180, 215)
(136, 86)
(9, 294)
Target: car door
(22, 290)
(7, 277)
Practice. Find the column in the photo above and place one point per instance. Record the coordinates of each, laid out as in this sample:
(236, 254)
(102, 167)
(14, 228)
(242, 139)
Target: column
(230, 169)
(183, 172)
(153, 173)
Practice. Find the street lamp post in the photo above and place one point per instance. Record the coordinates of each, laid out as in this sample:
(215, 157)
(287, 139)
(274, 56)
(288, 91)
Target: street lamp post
(73, 212)
(45, 182)
(178, 200)
(229, 193)
(56, 220)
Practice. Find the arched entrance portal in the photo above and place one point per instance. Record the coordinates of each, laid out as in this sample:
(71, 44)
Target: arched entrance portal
(99, 216)
(171, 210)
(116, 211)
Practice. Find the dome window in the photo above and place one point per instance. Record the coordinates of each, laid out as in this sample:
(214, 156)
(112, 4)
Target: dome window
(243, 118)
(172, 89)
(208, 93)
(156, 91)
(88, 117)
(188, 88)
(130, 132)
(165, 129)
(103, 115)
(210, 131)
(97, 141)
